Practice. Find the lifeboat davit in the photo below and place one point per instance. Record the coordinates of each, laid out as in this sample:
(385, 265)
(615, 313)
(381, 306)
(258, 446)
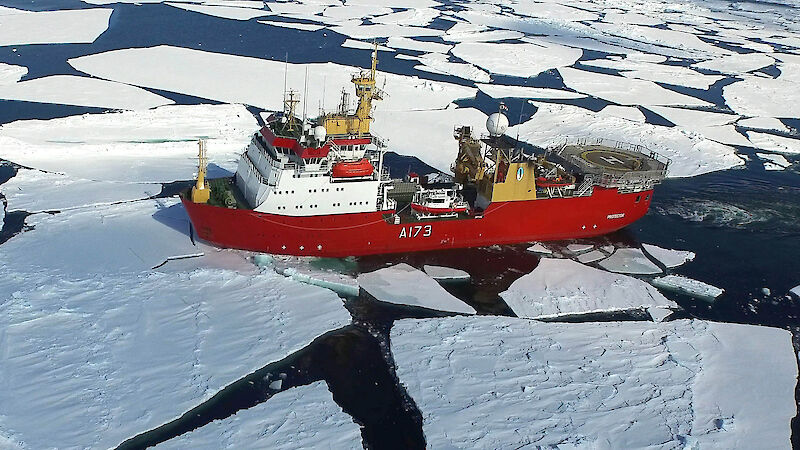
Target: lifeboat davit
(439, 210)
(351, 169)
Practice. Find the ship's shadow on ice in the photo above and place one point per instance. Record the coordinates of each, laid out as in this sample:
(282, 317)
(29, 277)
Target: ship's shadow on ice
(174, 217)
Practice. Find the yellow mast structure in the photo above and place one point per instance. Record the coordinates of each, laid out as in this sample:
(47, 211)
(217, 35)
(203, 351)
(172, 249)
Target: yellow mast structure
(201, 192)
(342, 123)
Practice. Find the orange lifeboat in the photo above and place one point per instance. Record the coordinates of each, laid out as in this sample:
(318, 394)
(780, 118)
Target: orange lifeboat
(351, 169)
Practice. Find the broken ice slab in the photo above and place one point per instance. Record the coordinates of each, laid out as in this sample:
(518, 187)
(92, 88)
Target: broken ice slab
(539, 248)
(592, 256)
(560, 287)
(579, 248)
(670, 258)
(774, 162)
(404, 285)
(629, 260)
(511, 382)
(440, 273)
(688, 286)
(301, 417)
(795, 290)
(658, 314)
(308, 270)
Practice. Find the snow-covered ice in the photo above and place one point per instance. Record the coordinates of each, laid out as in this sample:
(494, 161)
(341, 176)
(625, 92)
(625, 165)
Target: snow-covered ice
(75, 26)
(795, 290)
(658, 314)
(775, 143)
(414, 16)
(691, 154)
(763, 97)
(763, 123)
(661, 73)
(501, 382)
(507, 59)
(774, 162)
(441, 273)
(356, 30)
(420, 46)
(226, 12)
(10, 73)
(579, 248)
(302, 417)
(737, 63)
(590, 257)
(82, 91)
(352, 43)
(670, 258)
(402, 284)
(560, 287)
(623, 112)
(688, 286)
(439, 63)
(157, 145)
(629, 260)
(97, 348)
(501, 91)
(624, 90)
(313, 271)
(539, 248)
(294, 25)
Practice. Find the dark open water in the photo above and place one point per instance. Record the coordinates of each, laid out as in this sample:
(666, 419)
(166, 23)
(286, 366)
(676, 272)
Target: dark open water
(742, 223)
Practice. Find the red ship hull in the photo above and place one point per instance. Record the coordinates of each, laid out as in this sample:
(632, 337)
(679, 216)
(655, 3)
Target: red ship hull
(368, 233)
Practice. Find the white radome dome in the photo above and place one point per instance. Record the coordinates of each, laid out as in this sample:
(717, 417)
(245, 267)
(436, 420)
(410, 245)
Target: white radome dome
(497, 124)
(320, 133)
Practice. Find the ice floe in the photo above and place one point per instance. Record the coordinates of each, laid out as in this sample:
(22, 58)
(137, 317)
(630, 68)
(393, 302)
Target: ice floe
(630, 18)
(522, 60)
(629, 260)
(502, 91)
(774, 162)
(156, 145)
(441, 273)
(553, 11)
(763, 97)
(302, 417)
(352, 43)
(238, 79)
(539, 248)
(774, 143)
(226, 12)
(738, 63)
(432, 140)
(590, 257)
(623, 112)
(439, 63)
(383, 30)
(658, 314)
(10, 73)
(75, 26)
(35, 191)
(82, 91)
(347, 11)
(579, 248)
(668, 257)
(420, 46)
(623, 90)
(294, 25)
(320, 272)
(559, 287)
(763, 123)
(402, 284)
(795, 290)
(414, 16)
(636, 67)
(691, 154)
(497, 382)
(663, 41)
(688, 286)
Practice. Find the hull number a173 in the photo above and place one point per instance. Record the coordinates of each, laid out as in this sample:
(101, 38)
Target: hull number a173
(413, 231)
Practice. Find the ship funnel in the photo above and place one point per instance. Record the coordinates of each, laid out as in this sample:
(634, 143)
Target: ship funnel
(497, 124)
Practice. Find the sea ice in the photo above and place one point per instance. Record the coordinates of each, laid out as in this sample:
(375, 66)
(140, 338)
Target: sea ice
(480, 36)
(691, 154)
(35, 191)
(763, 123)
(75, 26)
(795, 290)
(432, 140)
(688, 286)
(630, 18)
(553, 11)
(693, 119)
(579, 248)
(302, 417)
(439, 63)
(670, 258)
(308, 270)
(658, 314)
(737, 63)
(352, 43)
(661, 40)
(539, 248)
(502, 382)
(764, 97)
(156, 145)
(294, 25)
(623, 112)
(97, 348)
(522, 60)
(661, 73)
(623, 90)
(629, 260)
(590, 257)
(383, 30)
(420, 46)
(10, 73)
(404, 285)
(419, 17)
(347, 12)
(560, 287)
(502, 91)
(226, 12)
(82, 91)
(774, 162)
(441, 273)
(774, 143)
(229, 78)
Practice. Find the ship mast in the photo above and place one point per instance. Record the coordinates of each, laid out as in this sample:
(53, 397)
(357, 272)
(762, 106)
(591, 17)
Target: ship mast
(357, 124)
(201, 191)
